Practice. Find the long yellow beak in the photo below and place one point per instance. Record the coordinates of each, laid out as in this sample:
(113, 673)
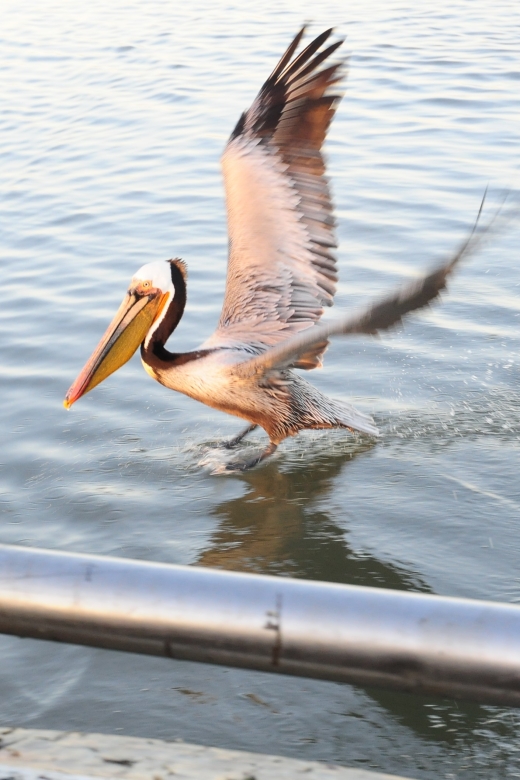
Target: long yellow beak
(122, 337)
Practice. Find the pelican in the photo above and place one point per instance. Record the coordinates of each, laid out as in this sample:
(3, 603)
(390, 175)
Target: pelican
(281, 273)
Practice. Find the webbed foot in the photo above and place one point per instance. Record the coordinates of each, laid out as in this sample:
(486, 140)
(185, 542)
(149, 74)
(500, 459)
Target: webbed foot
(249, 464)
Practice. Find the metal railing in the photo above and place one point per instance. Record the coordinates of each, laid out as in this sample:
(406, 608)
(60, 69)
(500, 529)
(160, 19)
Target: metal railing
(369, 636)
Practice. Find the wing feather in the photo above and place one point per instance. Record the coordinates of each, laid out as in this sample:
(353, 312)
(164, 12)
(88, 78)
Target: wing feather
(281, 268)
(378, 316)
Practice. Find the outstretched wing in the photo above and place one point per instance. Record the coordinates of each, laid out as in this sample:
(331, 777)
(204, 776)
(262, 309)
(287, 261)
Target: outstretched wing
(378, 316)
(281, 267)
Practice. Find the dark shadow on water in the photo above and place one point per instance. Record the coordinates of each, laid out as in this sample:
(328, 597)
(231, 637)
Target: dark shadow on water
(277, 527)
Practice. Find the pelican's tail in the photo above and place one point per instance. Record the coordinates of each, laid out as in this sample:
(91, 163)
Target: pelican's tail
(347, 416)
(312, 409)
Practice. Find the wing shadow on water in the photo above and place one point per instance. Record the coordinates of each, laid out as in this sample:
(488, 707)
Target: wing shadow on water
(279, 527)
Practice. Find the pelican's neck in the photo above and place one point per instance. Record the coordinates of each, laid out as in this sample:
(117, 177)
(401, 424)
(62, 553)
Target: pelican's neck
(161, 330)
(157, 360)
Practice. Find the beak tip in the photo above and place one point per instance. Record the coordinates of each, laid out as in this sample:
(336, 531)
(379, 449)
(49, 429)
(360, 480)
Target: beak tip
(66, 403)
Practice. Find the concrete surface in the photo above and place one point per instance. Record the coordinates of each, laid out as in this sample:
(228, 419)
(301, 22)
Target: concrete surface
(30, 754)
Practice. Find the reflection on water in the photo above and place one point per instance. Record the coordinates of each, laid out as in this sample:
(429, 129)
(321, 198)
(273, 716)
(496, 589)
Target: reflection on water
(276, 528)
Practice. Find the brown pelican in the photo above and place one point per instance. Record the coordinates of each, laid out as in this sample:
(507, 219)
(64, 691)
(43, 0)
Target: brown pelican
(281, 273)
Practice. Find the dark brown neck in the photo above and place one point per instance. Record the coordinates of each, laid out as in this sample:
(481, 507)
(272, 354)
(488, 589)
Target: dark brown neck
(171, 319)
(155, 353)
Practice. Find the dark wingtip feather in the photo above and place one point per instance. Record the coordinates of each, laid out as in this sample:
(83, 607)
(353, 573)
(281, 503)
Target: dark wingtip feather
(305, 55)
(317, 60)
(286, 56)
(297, 85)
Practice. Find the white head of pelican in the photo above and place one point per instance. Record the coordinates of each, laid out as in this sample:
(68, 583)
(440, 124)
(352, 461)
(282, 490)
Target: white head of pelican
(142, 312)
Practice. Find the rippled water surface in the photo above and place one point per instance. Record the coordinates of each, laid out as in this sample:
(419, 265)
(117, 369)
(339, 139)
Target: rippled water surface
(113, 119)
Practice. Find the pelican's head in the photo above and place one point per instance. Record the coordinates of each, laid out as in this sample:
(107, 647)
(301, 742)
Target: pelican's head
(151, 290)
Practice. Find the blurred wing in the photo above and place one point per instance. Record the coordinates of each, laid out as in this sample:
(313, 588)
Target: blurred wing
(379, 316)
(281, 267)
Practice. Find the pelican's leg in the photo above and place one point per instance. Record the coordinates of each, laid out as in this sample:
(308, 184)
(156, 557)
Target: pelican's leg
(271, 447)
(233, 442)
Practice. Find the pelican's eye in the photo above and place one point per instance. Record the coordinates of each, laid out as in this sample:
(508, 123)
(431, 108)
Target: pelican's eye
(143, 287)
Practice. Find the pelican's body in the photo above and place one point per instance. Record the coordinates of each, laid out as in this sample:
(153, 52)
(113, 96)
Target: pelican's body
(214, 375)
(281, 273)
(282, 409)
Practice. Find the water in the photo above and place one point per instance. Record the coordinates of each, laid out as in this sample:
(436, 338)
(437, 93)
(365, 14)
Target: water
(113, 120)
